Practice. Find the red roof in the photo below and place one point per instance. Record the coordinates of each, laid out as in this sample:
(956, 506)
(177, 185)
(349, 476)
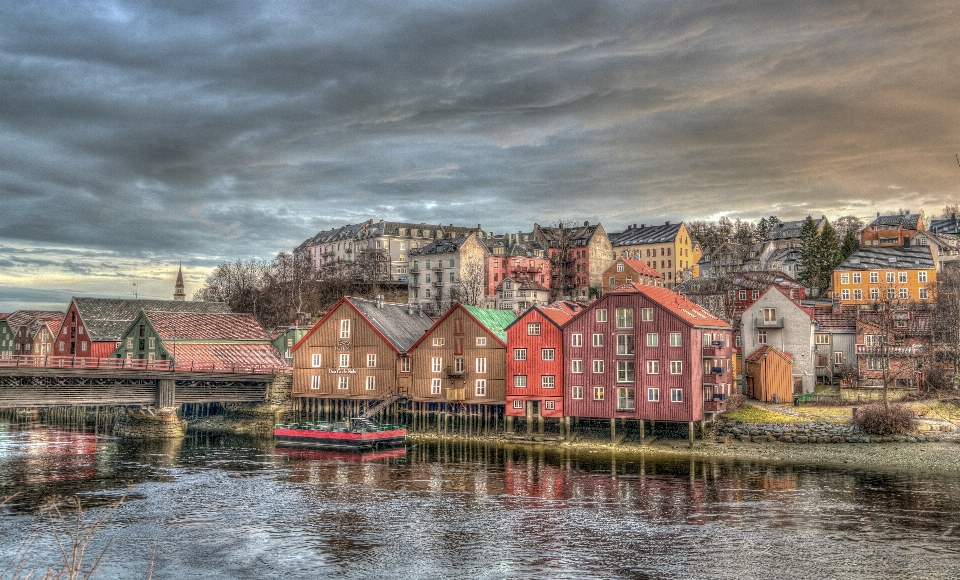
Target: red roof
(557, 315)
(571, 308)
(766, 349)
(641, 267)
(228, 354)
(675, 303)
(192, 325)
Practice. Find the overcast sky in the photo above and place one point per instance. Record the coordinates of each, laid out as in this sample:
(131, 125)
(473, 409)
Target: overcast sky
(136, 135)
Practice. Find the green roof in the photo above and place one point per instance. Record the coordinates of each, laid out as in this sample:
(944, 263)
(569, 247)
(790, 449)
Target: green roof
(496, 321)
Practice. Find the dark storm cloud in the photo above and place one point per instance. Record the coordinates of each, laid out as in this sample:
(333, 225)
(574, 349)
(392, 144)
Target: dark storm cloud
(234, 129)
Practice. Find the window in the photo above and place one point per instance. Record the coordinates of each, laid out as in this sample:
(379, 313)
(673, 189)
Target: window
(761, 337)
(547, 354)
(653, 367)
(676, 367)
(742, 295)
(576, 392)
(624, 317)
(548, 381)
(845, 294)
(769, 314)
(597, 393)
(675, 339)
(653, 395)
(676, 395)
(533, 329)
(876, 363)
(481, 366)
(598, 366)
(891, 293)
(129, 342)
(315, 359)
(481, 388)
(822, 338)
(625, 371)
(345, 328)
(520, 381)
(902, 277)
(438, 341)
(458, 365)
(576, 340)
(624, 344)
(481, 341)
(371, 383)
(874, 294)
(405, 365)
(519, 354)
(856, 277)
(517, 403)
(83, 346)
(371, 360)
(857, 294)
(344, 360)
(904, 293)
(619, 267)
(923, 294)
(646, 314)
(653, 339)
(613, 281)
(626, 400)
(922, 276)
(315, 382)
(152, 342)
(874, 277)
(343, 382)
(80, 329)
(435, 386)
(890, 276)
(61, 343)
(844, 278)
(436, 364)
(601, 314)
(874, 339)
(838, 357)
(597, 340)
(550, 405)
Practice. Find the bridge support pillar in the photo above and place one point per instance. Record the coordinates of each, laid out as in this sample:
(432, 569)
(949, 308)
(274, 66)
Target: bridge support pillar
(150, 424)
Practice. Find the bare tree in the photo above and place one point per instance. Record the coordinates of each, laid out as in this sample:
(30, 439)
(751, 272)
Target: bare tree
(950, 210)
(946, 313)
(848, 223)
(238, 284)
(472, 283)
(562, 260)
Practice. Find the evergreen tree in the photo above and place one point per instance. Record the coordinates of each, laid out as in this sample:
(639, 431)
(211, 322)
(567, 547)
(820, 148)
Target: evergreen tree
(851, 243)
(829, 254)
(808, 268)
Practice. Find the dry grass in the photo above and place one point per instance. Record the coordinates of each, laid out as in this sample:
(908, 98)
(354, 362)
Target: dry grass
(752, 414)
(948, 409)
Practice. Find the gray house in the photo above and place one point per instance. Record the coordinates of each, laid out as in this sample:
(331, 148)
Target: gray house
(776, 320)
(835, 340)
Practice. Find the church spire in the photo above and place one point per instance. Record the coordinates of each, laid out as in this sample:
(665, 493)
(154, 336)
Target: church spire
(178, 293)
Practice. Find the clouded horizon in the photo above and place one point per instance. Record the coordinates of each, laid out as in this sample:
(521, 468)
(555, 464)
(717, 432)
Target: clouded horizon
(135, 136)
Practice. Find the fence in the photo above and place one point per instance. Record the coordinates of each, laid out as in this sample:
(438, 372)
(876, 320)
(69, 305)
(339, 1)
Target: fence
(139, 364)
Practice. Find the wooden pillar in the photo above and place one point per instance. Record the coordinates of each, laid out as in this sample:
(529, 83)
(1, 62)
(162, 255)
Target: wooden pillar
(509, 423)
(540, 422)
(690, 430)
(166, 393)
(528, 415)
(613, 429)
(641, 430)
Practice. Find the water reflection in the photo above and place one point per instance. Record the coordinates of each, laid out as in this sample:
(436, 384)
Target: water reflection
(231, 506)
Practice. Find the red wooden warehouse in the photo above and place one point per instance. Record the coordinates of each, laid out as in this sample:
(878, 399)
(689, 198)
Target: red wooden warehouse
(535, 364)
(647, 354)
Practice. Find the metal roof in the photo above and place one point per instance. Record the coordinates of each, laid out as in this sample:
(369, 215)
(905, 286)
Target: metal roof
(401, 324)
(107, 318)
(496, 321)
(889, 258)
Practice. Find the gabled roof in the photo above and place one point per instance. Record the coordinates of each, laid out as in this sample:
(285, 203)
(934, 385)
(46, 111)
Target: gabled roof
(889, 258)
(523, 284)
(25, 317)
(204, 326)
(755, 280)
(675, 303)
(52, 323)
(791, 229)
(949, 226)
(578, 236)
(829, 321)
(496, 321)
(263, 354)
(568, 306)
(558, 316)
(905, 222)
(808, 310)
(442, 246)
(401, 325)
(646, 235)
(107, 318)
(763, 351)
(4, 315)
(943, 240)
(640, 267)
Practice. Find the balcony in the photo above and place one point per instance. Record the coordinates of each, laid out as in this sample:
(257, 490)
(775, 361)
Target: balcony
(891, 350)
(775, 323)
(714, 351)
(714, 406)
(456, 394)
(713, 378)
(455, 372)
(415, 284)
(438, 268)
(414, 269)
(438, 282)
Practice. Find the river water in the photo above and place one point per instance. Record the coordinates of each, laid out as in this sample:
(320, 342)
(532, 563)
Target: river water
(235, 507)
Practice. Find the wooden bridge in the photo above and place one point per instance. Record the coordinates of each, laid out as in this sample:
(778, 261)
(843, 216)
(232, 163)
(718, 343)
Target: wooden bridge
(38, 381)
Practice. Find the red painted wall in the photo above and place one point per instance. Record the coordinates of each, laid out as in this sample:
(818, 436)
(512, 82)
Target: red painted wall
(534, 367)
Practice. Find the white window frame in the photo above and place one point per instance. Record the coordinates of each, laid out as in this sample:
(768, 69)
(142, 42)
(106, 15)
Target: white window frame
(481, 341)
(676, 339)
(371, 360)
(436, 364)
(343, 383)
(597, 366)
(480, 388)
(576, 340)
(345, 328)
(371, 383)
(436, 386)
(344, 360)
(518, 403)
(653, 339)
(653, 394)
(315, 382)
(646, 314)
(598, 393)
(481, 366)
(520, 381)
(601, 315)
(316, 360)
(519, 354)
(548, 382)
(597, 340)
(653, 367)
(438, 341)
(548, 354)
(533, 329)
(676, 367)
(676, 395)
(576, 392)
(576, 366)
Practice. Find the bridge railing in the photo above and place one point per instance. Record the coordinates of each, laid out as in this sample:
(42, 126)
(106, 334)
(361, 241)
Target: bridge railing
(70, 362)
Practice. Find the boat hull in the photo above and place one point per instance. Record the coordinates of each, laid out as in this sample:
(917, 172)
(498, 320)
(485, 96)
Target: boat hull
(340, 439)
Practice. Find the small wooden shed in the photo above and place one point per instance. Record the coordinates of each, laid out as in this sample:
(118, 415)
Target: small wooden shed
(768, 372)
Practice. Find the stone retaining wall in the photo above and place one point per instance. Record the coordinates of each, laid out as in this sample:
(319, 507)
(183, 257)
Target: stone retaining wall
(139, 425)
(810, 432)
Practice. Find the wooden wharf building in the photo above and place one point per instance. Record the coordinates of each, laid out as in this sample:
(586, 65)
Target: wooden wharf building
(356, 356)
(459, 370)
(645, 354)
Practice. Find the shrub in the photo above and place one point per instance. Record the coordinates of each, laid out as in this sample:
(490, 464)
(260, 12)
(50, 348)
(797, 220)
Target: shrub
(734, 402)
(876, 420)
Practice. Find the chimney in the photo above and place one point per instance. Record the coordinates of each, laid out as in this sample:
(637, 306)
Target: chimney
(836, 307)
(667, 224)
(586, 224)
(634, 226)
(409, 308)
(420, 309)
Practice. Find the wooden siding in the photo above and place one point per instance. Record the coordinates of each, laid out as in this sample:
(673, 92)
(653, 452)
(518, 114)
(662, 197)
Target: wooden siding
(771, 375)
(691, 354)
(460, 388)
(326, 342)
(534, 367)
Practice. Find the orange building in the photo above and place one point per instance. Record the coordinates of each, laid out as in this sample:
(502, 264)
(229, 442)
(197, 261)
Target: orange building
(628, 271)
(876, 273)
(891, 230)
